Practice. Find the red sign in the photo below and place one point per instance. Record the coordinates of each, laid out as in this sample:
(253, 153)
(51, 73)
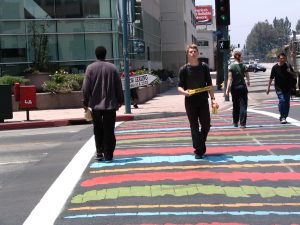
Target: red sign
(203, 14)
(27, 97)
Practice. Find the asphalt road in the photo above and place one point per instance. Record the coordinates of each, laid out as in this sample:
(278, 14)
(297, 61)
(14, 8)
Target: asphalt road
(30, 161)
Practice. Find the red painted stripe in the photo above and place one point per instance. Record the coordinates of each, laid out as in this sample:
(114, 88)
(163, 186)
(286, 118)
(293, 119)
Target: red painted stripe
(210, 150)
(189, 175)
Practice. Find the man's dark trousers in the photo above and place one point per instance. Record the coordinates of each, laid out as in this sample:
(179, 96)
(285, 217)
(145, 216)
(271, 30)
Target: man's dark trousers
(198, 112)
(239, 95)
(104, 131)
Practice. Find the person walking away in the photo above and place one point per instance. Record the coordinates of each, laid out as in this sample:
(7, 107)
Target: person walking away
(239, 92)
(134, 97)
(194, 77)
(102, 92)
(284, 83)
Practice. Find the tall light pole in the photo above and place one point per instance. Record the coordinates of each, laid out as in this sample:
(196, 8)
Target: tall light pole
(125, 55)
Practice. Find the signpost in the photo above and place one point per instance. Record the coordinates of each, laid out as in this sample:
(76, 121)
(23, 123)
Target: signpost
(139, 80)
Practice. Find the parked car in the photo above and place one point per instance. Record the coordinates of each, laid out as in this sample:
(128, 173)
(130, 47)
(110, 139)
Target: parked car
(258, 67)
(254, 67)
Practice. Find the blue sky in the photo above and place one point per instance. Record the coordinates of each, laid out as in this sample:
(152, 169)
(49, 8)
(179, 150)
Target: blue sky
(245, 14)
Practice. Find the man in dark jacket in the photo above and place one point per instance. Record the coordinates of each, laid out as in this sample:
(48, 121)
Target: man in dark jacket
(102, 92)
(283, 75)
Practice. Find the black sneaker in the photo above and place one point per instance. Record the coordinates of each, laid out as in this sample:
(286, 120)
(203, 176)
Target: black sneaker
(235, 124)
(198, 156)
(99, 157)
(135, 106)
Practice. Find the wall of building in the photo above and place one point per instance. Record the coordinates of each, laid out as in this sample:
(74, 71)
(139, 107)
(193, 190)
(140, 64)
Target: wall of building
(205, 42)
(178, 30)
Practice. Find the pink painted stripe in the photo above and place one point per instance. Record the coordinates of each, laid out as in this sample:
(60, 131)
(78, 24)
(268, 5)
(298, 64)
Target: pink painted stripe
(210, 150)
(188, 133)
(189, 175)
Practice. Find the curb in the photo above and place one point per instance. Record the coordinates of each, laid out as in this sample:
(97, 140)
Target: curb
(52, 123)
(79, 121)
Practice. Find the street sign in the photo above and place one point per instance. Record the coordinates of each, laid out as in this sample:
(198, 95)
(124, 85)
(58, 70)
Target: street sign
(224, 44)
(139, 80)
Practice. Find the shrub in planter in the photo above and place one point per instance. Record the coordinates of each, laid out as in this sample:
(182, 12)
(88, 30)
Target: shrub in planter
(63, 82)
(8, 79)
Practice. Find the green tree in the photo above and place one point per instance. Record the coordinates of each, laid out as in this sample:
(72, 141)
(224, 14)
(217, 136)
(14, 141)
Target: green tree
(267, 39)
(298, 27)
(39, 43)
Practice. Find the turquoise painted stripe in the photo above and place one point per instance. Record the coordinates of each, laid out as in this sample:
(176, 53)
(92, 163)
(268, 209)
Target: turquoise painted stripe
(187, 128)
(213, 213)
(183, 158)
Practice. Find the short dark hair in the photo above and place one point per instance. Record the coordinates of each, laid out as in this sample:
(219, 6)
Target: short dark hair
(281, 54)
(100, 52)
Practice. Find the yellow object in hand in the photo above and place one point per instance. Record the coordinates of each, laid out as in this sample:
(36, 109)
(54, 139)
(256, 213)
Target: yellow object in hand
(215, 107)
(197, 90)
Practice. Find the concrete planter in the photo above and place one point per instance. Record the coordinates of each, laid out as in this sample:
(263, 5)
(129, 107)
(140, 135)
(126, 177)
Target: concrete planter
(37, 79)
(74, 99)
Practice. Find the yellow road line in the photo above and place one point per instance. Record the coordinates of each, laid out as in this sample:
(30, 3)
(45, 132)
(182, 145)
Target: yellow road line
(228, 205)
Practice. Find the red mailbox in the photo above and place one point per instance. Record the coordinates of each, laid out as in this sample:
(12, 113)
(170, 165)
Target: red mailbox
(27, 97)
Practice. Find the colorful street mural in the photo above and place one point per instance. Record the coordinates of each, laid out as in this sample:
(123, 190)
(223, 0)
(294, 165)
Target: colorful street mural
(249, 176)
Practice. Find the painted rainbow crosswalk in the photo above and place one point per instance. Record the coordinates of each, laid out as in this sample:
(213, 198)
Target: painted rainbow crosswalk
(253, 172)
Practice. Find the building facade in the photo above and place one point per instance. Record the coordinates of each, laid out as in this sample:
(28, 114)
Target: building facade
(178, 28)
(67, 32)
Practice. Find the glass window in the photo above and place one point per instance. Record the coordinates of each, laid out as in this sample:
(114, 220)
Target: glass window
(203, 43)
(52, 48)
(105, 9)
(71, 47)
(37, 10)
(13, 49)
(11, 9)
(69, 26)
(98, 25)
(45, 6)
(12, 27)
(69, 8)
(94, 40)
(91, 8)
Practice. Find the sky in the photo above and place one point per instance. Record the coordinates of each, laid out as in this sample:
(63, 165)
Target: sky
(244, 14)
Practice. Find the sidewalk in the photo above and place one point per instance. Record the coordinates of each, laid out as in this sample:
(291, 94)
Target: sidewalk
(169, 103)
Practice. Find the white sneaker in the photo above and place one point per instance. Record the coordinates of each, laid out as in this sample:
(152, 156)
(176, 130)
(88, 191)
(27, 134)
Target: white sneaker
(283, 121)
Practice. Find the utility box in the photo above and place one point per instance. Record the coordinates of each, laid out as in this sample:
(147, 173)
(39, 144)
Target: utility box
(27, 97)
(5, 102)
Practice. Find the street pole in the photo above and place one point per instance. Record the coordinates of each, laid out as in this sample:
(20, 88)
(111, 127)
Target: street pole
(125, 55)
(225, 62)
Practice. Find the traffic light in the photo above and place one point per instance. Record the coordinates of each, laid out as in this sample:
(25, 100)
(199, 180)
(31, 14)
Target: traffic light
(222, 12)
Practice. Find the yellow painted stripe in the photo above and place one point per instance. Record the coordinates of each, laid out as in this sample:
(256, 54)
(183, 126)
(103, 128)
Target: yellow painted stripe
(231, 166)
(228, 205)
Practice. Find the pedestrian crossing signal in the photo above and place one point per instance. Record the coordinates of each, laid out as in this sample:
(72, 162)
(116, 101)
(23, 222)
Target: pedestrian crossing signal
(224, 44)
